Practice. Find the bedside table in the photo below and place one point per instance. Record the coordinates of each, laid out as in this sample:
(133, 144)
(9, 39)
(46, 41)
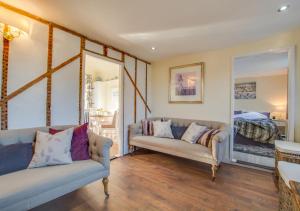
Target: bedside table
(282, 126)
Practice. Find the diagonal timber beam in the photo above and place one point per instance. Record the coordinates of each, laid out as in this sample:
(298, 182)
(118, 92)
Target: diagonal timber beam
(137, 90)
(36, 80)
(49, 77)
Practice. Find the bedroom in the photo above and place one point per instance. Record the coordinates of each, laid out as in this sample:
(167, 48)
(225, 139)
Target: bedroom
(260, 106)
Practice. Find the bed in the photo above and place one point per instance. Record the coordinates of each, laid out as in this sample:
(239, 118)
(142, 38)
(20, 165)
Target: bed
(255, 133)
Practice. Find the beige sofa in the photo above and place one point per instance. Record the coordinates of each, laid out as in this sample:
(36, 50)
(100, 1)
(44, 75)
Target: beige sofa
(197, 152)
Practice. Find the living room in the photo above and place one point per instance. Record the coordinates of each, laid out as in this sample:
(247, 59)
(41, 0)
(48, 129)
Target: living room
(177, 120)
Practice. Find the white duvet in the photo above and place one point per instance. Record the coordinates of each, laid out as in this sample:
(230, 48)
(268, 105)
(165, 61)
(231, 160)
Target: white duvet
(251, 116)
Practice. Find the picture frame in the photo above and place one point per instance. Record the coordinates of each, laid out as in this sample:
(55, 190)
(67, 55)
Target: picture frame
(245, 91)
(186, 83)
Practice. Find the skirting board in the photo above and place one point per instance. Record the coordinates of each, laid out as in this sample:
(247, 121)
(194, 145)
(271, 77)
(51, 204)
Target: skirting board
(255, 159)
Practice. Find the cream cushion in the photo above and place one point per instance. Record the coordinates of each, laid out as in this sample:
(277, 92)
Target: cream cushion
(192, 134)
(162, 129)
(287, 147)
(289, 171)
(52, 149)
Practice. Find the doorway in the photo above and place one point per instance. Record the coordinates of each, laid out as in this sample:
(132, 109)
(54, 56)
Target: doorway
(103, 104)
(262, 106)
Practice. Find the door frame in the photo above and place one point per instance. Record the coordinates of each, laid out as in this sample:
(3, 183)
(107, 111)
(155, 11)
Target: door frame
(291, 50)
(121, 98)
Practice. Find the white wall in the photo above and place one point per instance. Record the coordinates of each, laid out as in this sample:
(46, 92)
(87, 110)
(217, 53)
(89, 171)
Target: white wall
(65, 82)
(28, 60)
(271, 94)
(128, 99)
(141, 78)
(217, 82)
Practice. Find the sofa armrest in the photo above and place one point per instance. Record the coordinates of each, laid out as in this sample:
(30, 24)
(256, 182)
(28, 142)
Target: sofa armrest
(219, 145)
(99, 149)
(135, 130)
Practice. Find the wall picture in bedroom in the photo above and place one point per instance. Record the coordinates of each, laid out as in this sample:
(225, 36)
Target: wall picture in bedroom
(245, 90)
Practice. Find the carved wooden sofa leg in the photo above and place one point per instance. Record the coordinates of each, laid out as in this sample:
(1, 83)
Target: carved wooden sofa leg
(131, 149)
(214, 169)
(105, 184)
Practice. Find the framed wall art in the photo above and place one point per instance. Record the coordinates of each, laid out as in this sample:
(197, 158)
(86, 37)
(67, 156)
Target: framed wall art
(186, 84)
(245, 90)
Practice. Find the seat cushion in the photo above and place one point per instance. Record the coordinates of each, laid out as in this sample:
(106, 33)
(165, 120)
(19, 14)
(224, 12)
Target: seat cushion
(288, 147)
(27, 183)
(289, 171)
(174, 147)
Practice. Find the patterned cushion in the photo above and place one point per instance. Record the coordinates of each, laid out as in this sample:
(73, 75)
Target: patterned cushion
(178, 131)
(15, 157)
(79, 143)
(52, 149)
(193, 132)
(162, 129)
(147, 127)
(206, 138)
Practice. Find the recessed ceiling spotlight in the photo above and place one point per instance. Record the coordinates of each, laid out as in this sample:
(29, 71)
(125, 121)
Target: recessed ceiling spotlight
(283, 8)
(153, 48)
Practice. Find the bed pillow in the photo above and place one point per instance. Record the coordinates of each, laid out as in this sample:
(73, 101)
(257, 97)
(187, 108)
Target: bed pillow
(237, 112)
(52, 149)
(267, 114)
(206, 138)
(193, 133)
(15, 157)
(178, 131)
(79, 143)
(162, 129)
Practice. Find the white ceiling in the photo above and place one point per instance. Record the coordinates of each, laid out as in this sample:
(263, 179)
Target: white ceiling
(174, 27)
(101, 68)
(264, 64)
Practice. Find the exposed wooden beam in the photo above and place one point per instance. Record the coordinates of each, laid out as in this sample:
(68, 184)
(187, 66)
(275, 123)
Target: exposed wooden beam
(4, 106)
(105, 51)
(36, 80)
(135, 79)
(136, 88)
(99, 54)
(146, 90)
(42, 20)
(94, 52)
(49, 76)
(82, 46)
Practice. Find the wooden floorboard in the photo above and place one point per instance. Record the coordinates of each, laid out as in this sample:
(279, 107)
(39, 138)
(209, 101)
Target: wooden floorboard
(154, 181)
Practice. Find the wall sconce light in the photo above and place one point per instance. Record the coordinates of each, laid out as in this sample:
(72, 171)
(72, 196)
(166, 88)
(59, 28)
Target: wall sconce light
(12, 25)
(10, 32)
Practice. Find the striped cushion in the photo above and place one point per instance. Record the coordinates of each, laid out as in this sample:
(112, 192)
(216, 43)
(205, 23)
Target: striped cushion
(147, 127)
(192, 134)
(206, 138)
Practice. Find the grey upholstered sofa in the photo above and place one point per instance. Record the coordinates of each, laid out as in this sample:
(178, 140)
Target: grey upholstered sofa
(28, 188)
(197, 152)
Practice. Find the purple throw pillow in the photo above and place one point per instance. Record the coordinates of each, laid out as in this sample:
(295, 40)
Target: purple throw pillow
(80, 142)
